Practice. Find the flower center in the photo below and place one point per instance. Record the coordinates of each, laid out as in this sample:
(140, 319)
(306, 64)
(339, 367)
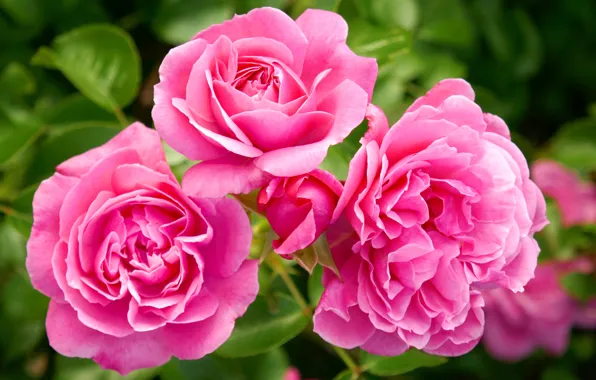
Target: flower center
(257, 80)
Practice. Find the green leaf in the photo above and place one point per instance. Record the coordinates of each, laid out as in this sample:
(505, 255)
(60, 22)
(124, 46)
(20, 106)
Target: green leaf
(344, 375)
(315, 286)
(177, 21)
(18, 139)
(579, 285)
(348, 375)
(74, 140)
(264, 327)
(16, 80)
(86, 369)
(440, 66)
(19, 338)
(577, 130)
(12, 247)
(24, 12)
(101, 61)
(558, 373)
(77, 109)
(20, 302)
(269, 366)
(529, 58)
(384, 44)
(577, 155)
(302, 5)
(490, 17)
(402, 13)
(246, 5)
(338, 158)
(446, 22)
(397, 365)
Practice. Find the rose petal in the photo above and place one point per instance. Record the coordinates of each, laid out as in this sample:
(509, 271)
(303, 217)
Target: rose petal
(69, 337)
(326, 33)
(262, 22)
(45, 233)
(227, 175)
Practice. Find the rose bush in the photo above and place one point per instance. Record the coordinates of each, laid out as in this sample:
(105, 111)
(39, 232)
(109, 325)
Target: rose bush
(439, 207)
(261, 95)
(137, 271)
(299, 209)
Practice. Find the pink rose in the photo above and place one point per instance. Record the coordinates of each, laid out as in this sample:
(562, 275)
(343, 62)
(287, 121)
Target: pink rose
(299, 208)
(136, 270)
(575, 199)
(442, 207)
(261, 95)
(586, 315)
(541, 317)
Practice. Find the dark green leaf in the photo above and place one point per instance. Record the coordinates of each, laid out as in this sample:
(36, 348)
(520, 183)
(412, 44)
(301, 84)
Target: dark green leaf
(20, 302)
(12, 247)
(17, 140)
(86, 369)
(76, 139)
(177, 21)
(269, 366)
(16, 81)
(265, 327)
(77, 109)
(102, 61)
(397, 365)
(384, 44)
(390, 13)
(246, 5)
(446, 22)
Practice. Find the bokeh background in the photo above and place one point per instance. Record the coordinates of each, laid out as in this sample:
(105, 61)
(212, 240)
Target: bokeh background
(532, 62)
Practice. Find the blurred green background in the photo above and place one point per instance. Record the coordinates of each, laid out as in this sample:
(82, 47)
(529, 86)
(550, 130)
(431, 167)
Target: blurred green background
(73, 72)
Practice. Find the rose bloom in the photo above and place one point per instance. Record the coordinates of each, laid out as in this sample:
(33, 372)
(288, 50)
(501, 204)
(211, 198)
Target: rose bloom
(575, 199)
(261, 95)
(434, 210)
(299, 209)
(136, 270)
(541, 317)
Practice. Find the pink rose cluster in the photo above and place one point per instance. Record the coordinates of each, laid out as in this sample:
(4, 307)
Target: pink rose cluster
(542, 317)
(437, 209)
(434, 211)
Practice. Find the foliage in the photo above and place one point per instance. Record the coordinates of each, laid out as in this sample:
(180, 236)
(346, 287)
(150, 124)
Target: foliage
(73, 72)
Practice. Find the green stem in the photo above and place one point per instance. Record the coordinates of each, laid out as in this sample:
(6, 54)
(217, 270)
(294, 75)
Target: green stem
(278, 267)
(336, 7)
(347, 359)
(121, 117)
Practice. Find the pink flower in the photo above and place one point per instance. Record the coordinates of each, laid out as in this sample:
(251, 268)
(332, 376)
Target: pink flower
(575, 199)
(292, 374)
(586, 315)
(441, 206)
(541, 317)
(261, 95)
(136, 270)
(299, 208)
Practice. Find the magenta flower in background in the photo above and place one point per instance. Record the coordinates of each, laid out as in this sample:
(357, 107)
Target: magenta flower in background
(299, 209)
(434, 210)
(541, 317)
(137, 271)
(575, 199)
(261, 95)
